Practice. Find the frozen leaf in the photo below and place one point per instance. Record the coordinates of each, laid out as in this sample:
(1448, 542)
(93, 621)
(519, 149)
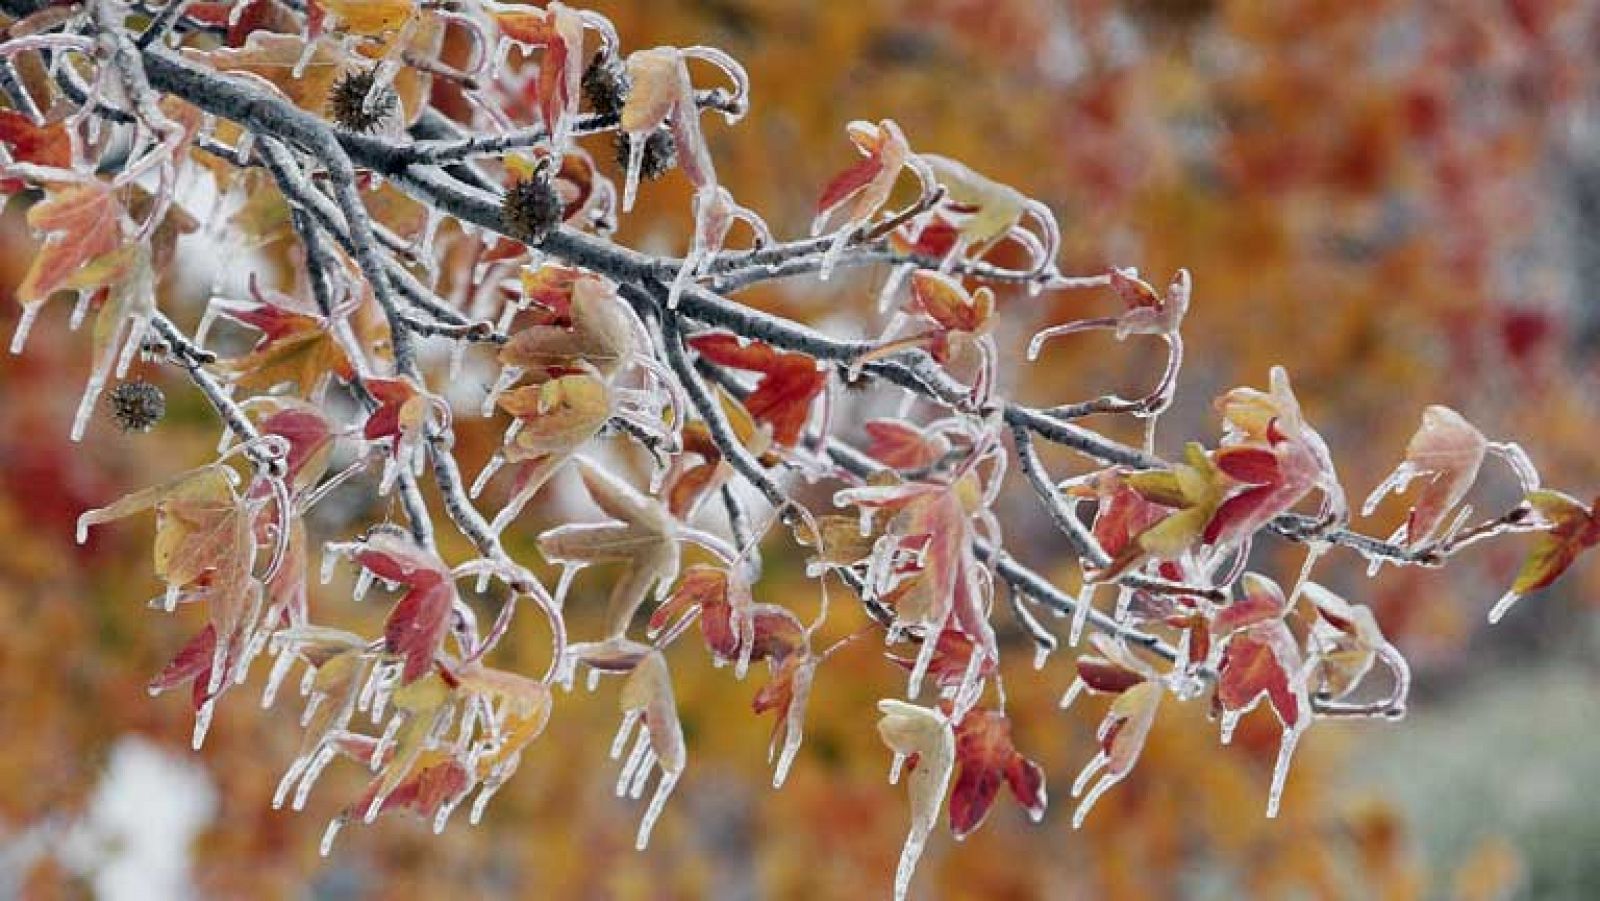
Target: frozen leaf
(48, 145)
(987, 757)
(416, 627)
(1447, 452)
(1122, 737)
(84, 248)
(296, 345)
(370, 17)
(557, 31)
(855, 195)
(641, 534)
(1263, 662)
(1259, 423)
(310, 436)
(900, 445)
(647, 700)
(786, 695)
(1346, 639)
(1570, 529)
(789, 384)
(924, 735)
(1262, 601)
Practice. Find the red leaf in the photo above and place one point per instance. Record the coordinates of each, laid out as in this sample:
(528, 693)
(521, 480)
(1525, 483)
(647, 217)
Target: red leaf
(417, 625)
(1258, 663)
(43, 145)
(789, 382)
(986, 756)
(900, 445)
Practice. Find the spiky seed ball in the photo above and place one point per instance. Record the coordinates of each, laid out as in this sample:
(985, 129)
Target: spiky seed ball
(137, 405)
(347, 101)
(660, 153)
(532, 209)
(606, 85)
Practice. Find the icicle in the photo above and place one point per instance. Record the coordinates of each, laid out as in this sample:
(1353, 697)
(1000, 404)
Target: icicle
(895, 765)
(593, 683)
(169, 601)
(641, 774)
(481, 802)
(80, 309)
(564, 583)
(202, 722)
(458, 353)
(319, 762)
(920, 668)
(299, 72)
(1502, 606)
(1090, 770)
(280, 671)
(1041, 654)
(385, 741)
(307, 682)
(1107, 783)
(362, 586)
(793, 731)
(623, 731)
(281, 794)
(30, 312)
(1080, 614)
(658, 803)
(332, 832)
(830, 257)
(482, 481)
(330, 559)
(1280, 770)
(630, 189)
(909, 855)
(1073, 692)
(91, 394)
(1230, 721)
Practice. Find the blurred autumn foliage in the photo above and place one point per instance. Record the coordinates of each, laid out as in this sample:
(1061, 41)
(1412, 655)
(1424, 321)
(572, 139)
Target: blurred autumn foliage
(1379, 193)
